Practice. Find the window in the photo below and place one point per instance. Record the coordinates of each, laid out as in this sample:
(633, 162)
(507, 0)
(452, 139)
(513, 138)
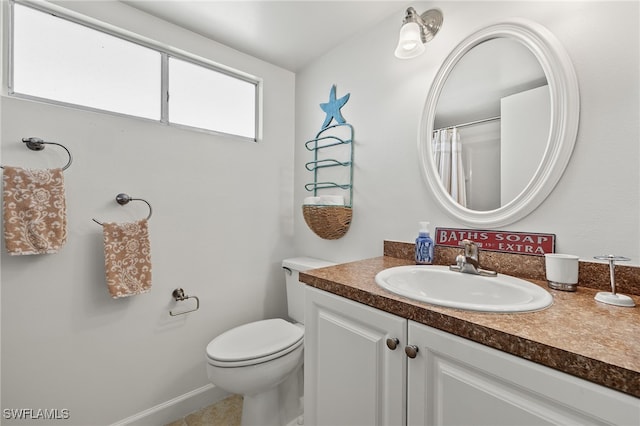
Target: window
(71, 63)
(200, 97)
(60, 60)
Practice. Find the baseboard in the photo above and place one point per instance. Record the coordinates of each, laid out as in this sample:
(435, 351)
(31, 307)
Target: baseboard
(175, 408)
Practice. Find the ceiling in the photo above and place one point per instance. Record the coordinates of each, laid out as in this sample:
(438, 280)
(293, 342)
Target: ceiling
(289, 34)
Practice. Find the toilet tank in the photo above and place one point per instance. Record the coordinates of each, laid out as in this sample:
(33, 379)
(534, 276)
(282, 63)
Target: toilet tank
(295, 289)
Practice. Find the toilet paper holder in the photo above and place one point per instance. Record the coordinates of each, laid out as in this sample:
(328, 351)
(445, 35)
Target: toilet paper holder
(179, 296)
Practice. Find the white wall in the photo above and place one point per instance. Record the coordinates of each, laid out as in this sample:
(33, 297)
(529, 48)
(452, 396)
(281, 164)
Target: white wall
(525, 121)
(593, 210)
(481, 161)
(223, 209)
(221, 226)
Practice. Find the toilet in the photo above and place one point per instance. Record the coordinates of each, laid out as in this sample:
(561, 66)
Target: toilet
(256, 359)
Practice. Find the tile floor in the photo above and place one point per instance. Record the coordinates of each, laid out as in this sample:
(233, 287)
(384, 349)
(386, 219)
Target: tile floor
(224, 413)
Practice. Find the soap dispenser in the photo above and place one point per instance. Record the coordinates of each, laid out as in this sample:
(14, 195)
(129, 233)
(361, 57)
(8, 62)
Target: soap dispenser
(424, 245)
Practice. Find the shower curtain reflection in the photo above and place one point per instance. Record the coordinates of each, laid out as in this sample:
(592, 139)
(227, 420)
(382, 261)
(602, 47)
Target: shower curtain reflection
(447, 151)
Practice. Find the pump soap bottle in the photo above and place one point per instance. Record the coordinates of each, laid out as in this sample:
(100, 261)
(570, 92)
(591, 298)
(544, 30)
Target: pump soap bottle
(424, 245)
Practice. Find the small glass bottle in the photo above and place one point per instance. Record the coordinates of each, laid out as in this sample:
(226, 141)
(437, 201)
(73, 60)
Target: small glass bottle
(424, 246)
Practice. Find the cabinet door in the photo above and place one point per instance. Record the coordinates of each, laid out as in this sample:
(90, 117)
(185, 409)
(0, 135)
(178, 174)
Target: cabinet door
(351, 377)
(454, 381)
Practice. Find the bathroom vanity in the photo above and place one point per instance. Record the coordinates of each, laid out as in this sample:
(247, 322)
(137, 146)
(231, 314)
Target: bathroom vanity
(372, 357)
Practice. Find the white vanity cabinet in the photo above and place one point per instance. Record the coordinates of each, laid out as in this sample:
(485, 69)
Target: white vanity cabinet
(353, 378)
(454, 381)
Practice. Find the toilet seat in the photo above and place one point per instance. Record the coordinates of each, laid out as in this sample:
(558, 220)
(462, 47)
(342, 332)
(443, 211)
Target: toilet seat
(254, 343)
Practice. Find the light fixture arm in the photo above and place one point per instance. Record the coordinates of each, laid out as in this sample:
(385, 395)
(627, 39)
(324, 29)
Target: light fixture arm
(429, 22)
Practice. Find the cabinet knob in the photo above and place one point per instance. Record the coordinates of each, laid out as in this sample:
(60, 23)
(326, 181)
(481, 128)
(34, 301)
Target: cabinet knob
(392, 343)
(411, 351)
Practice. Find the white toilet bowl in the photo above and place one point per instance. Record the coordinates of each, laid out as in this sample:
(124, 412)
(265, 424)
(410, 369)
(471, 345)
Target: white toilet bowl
(252, 360)
(255, 359)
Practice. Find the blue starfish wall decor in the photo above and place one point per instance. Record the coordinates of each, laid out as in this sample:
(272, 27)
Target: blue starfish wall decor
(332, 108)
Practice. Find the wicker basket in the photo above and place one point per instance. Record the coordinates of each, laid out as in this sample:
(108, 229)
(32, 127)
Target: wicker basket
(328, 222)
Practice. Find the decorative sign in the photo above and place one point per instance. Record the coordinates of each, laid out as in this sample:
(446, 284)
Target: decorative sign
(502, 241)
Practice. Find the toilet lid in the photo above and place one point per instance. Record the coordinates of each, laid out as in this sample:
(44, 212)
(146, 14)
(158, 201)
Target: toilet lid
(254, 341)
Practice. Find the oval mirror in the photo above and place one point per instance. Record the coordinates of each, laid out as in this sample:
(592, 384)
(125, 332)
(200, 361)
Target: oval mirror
(499, 123)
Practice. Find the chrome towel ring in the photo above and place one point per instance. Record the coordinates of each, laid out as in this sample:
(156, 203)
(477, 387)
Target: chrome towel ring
(37, 144)
(123, 199)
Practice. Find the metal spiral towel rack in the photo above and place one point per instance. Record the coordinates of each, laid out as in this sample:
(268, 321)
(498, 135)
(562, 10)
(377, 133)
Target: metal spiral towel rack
(323, 141)
(37, 144)
(327, 221)
(123, 199)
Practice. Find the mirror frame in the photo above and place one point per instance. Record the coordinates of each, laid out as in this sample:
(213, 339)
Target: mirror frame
(565, 110)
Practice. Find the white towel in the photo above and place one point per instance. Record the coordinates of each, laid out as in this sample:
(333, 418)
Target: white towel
(310, 201)
(332, 200)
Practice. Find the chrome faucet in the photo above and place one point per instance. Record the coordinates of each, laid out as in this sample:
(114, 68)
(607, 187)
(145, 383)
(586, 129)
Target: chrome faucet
(469, 261)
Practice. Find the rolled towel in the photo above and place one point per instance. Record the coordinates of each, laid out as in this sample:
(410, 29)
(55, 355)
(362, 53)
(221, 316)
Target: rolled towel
(35, 212)
(127, 258)
(332, 200)
(311, 201)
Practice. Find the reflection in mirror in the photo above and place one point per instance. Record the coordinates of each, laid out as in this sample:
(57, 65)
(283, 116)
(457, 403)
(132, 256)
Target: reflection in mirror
(528, 144)
(491, 124)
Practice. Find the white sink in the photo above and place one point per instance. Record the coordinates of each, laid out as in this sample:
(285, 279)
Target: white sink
(439, 286)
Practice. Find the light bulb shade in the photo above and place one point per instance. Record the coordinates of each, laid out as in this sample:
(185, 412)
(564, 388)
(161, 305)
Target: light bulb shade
(410, 41)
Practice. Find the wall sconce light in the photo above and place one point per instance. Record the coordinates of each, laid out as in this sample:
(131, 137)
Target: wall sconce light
(416, 31)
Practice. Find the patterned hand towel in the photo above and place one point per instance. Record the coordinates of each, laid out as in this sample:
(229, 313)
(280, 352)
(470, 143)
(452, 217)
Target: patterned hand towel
(127, 258)
(35, 217)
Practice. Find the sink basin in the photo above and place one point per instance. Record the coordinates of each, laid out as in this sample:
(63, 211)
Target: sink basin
(439, 286)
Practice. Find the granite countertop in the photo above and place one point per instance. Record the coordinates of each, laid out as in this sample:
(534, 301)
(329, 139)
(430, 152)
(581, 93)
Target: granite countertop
(576, 335)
